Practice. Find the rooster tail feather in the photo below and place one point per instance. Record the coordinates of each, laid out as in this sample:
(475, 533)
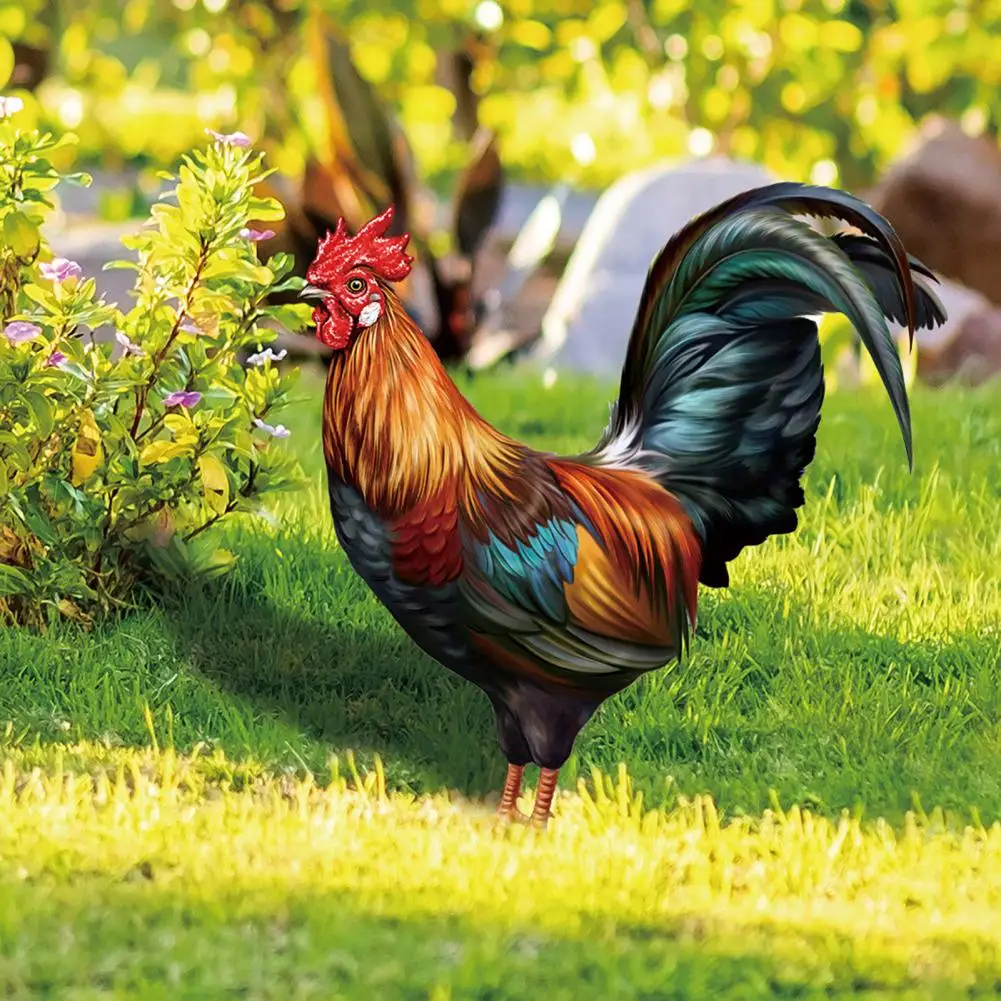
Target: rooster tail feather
(723, 383)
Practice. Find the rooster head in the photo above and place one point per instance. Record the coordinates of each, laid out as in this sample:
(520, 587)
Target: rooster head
(348, 278)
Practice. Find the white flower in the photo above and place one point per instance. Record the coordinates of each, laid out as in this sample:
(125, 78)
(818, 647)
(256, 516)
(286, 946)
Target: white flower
(10, 106)
(131, 348)
(275, 430)
(266, 355)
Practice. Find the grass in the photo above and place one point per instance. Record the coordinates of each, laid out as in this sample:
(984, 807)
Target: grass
(174, 821)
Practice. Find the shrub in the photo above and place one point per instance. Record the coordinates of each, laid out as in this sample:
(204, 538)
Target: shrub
(117, 452)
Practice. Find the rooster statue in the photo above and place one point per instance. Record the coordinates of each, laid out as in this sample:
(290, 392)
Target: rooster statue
(551, 582)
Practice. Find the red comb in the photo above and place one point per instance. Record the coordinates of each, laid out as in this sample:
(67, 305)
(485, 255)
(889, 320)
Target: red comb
(338, 253)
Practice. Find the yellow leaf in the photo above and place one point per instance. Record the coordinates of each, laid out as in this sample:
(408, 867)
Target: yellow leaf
(20, 234)
(73, 611)
(164, 451)
(216, 483)
(265, 210)
(181, 427)
(87, 450)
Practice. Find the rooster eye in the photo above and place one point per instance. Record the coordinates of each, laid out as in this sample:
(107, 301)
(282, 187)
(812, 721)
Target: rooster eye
(356, 285)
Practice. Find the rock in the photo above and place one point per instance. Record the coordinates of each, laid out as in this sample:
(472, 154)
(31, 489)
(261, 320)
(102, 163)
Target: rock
(967, 346)
(588, 322)
(944, 199)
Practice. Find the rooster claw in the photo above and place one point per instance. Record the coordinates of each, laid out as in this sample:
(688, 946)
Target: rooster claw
(513, 815)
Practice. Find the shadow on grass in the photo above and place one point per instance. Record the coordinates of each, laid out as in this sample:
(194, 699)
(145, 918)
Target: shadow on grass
(768, 703)
(347, 678)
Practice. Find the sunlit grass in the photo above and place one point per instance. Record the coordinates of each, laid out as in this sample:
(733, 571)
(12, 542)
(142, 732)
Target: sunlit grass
(137, 870)
(853, 668)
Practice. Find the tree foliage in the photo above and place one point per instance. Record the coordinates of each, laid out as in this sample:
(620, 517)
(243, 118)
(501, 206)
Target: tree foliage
(827, 89)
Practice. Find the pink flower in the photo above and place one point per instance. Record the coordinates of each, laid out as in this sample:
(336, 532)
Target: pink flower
(20, 331)
(10, 106)
(240, 139)
(266, 355)
(130, 347)
(59, 269)
(182, 398)
(189, 326)
(55, 359)
(257, 235)
(275, 430)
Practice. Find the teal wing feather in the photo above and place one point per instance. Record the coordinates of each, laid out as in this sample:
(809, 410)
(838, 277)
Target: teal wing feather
(530, 571)
(516, 569)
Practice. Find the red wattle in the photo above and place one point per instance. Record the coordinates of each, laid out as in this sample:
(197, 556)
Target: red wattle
(333, 325)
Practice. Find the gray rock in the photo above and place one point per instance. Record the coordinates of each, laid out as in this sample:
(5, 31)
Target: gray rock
(967, 347)
(587, 325)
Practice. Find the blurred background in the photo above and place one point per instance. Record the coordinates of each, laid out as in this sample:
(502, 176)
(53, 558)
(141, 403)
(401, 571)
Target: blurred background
(496, 127)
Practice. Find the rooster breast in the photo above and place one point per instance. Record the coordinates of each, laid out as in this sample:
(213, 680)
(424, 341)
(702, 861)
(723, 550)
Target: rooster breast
(429, 612)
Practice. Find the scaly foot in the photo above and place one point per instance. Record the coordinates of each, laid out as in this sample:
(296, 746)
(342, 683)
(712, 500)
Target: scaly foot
(544, 797)
(508, 809)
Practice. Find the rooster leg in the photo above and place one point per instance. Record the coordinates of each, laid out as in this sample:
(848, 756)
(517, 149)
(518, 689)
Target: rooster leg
(512, 789)
(544, 796)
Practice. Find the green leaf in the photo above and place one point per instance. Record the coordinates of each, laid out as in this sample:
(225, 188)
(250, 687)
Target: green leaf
(13, 581)
(218, 397)
(605, 20)
(79, 180)
(38, 524)
(16, 450)
(230, 263)
(76, 370)
(293, 284)
(44, 298)
(41, 409)
(281, 264)
(35, 196)
(295, 316)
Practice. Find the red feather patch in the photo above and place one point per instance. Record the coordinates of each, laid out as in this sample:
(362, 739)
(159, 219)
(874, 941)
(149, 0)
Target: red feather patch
(427, 548)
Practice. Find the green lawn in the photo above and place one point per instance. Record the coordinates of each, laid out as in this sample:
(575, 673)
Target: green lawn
(173, 822)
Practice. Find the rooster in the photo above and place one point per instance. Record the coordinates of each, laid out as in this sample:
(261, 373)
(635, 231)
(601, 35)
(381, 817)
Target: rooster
(550, 582)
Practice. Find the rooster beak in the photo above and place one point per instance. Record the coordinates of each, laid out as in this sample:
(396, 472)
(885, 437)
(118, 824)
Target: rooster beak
(312, 292)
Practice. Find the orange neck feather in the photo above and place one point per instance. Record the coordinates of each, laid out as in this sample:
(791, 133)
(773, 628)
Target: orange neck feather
(397, 428)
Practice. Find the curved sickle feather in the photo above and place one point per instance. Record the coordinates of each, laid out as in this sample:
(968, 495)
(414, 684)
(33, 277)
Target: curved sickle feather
(795, 198)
